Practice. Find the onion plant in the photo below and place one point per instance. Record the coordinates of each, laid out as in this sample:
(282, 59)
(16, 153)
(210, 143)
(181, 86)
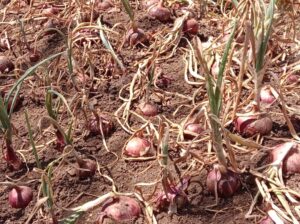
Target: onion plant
(135, 35)
(9, 153)
(215, 96)
(220, 180)
(45, 183)
(63, 138)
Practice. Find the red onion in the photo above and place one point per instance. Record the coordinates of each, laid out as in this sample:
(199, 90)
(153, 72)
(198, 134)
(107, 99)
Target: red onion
(291, 161)
(136, 36)
(120, 209)
(148, 109)
(6, 65)
(137, 147)
(60, 141)
(251, 125)
(3, 44)
(9, 103)
(293, 78)
(20, 196)
(34, 56)
(163, 81)
(106, 123)
(87, 168)
(191, 130)
(190, 26)
(160, 12)
(11, 157)
(175, 197)
(227, 183)
(267, 96)
(104, 5)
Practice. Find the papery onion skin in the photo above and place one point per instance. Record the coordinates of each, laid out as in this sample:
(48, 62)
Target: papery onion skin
(137, 147)
(262, 126)
(148, 109)
(193, 128)
(227, 183)
(121, 209)
(291, 162)
(250, 125)
(20, 197)
(160, 13)
(266, 96)
(240, 123)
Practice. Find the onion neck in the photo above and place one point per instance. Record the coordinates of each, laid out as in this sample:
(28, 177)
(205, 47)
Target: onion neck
(134, 26)
(11, 157)
(218, 145)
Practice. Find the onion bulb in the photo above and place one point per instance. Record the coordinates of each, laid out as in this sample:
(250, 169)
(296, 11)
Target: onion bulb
(136, 36)
(102, 121)
(3, 44)
(34, 56)
(293, 78)
(227, 183)
(268, 95)
(148, 109)
(120, 209)
(87, 168)
(190, 26)
(191, 130)
(251, 125)
(6, 65)
(291, 160)
(20, 196)
(137, 147)
(160, 12)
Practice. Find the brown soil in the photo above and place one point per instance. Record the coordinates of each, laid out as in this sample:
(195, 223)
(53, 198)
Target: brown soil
(68, 190)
